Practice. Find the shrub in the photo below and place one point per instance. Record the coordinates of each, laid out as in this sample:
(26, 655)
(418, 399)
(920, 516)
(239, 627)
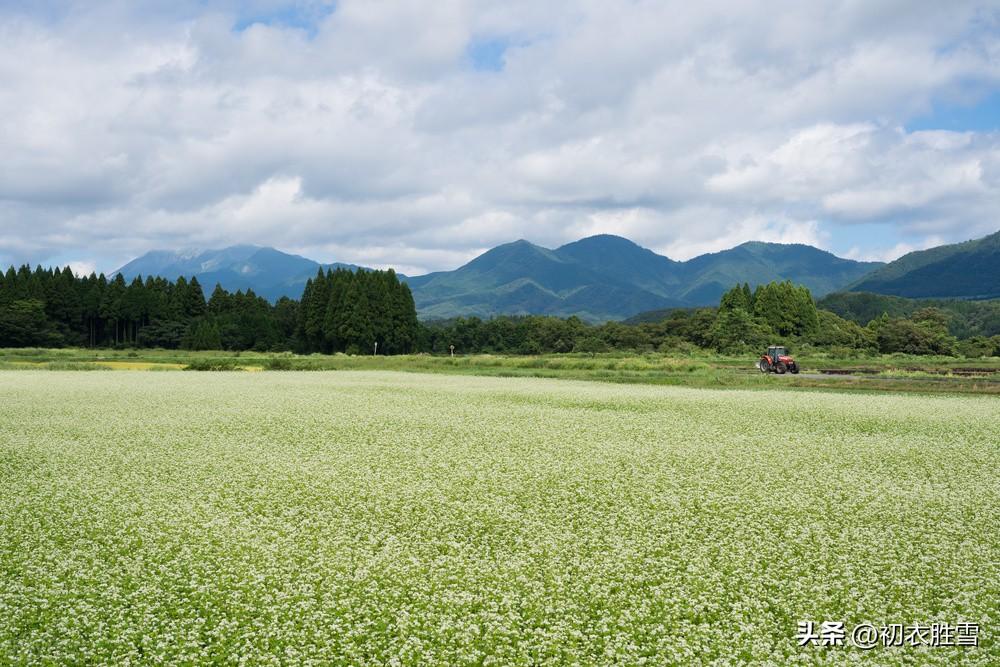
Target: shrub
(278, 364)
(224, 364)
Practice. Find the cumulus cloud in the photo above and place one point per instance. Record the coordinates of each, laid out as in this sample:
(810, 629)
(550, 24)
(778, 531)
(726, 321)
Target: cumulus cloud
(369, 132)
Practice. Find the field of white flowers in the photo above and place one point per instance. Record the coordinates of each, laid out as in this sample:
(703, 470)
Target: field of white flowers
(391, 518)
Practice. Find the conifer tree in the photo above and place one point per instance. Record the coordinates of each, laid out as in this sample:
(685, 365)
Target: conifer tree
(218, 303)
(334, 314)
(356, 330)
(315, 311)
(194, 300)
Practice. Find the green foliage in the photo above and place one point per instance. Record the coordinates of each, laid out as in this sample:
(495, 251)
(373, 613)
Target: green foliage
(23, 323)
(934, 318)
(926, 332)
(979, 346)
(223, 364)
(966, 318)
(166, 334)
(912, 337)
(786, 309)
(735, 331)
(835, 332)
(278, 364)
(204, 335)
(863, 307)
(739, 297)
(591, 345)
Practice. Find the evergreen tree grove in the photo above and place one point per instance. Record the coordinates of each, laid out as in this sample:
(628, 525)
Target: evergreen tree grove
(351, 311)
(340, 311)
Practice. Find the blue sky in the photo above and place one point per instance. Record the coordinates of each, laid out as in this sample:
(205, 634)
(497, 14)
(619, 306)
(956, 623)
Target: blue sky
(980, 114)
(305, 16)
(487, 54)
(416, 135)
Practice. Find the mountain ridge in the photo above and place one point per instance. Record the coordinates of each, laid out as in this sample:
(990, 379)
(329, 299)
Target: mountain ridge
(269, 272)
(970, 269)
(622, 278)
(600, 277)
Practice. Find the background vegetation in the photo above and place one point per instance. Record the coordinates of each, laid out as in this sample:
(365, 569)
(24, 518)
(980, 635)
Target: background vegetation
(349, 311)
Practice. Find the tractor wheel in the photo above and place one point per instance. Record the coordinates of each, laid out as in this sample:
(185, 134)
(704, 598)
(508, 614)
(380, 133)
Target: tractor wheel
(780, 368)
(794, 369)
(764, 366)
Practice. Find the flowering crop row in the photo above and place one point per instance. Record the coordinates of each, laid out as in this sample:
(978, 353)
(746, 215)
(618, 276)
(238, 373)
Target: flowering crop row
(384, 518)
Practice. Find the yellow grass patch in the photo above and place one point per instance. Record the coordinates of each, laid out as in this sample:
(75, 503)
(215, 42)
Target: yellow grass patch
(137, 365)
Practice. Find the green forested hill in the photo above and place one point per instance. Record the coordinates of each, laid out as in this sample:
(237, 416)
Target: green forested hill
(608, 277)
(966, 318)
(707, 277)
(522, 278)
(968, 270)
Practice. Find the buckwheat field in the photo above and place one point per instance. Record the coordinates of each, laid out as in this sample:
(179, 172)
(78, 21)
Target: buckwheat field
(372, 518)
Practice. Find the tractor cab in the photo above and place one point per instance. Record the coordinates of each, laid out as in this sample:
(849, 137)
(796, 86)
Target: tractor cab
(775, 352)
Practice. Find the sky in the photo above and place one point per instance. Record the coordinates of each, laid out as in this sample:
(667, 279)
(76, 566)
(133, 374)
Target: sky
(419, 134)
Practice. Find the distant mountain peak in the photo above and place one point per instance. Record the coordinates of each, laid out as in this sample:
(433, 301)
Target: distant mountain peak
(267, 271)
(773, 245)
(608, 242)
(607, 238)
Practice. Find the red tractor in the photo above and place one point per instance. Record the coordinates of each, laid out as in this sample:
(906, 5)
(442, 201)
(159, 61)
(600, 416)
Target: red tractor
(777, 361)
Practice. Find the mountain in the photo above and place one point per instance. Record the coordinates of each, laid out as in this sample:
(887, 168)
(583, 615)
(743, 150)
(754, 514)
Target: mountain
(608, 277)
(269, 272)
(598, 278)
(969, 270)
(707, 277)
(619, 259)
(521, 278)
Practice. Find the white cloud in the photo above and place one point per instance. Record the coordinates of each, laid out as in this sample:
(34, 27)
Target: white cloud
(891, 253)
(368, 135)
(81, 269)
(706, 238)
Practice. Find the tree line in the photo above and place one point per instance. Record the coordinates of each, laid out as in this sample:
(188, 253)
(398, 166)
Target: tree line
(745, 322)
(350, 311)
(340, 311)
